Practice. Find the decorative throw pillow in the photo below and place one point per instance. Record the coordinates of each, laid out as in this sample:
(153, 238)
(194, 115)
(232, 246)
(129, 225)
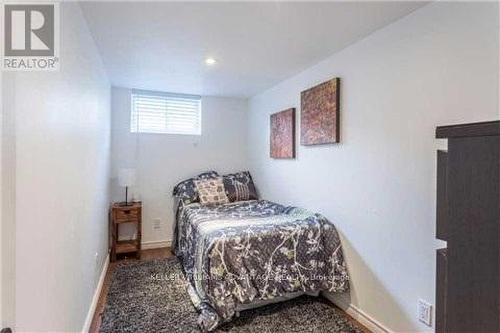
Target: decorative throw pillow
(239, 186)
(186, 190)
(211, 191)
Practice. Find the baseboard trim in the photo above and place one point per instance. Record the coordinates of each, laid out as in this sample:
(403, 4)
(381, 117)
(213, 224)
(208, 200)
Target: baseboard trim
(362, 317)
(155, 244)
(95, 298)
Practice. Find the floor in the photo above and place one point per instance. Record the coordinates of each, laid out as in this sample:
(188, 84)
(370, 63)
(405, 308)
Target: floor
(145, 255)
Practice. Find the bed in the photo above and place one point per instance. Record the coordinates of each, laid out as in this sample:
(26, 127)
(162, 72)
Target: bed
(245, 254)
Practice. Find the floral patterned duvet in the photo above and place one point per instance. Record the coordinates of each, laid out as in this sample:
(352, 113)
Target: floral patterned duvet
(253, 251)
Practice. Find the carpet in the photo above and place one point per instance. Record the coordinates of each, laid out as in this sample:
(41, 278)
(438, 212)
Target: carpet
(151, 296)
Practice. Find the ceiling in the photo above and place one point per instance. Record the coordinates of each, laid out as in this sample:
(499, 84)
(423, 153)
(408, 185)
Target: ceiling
(163, 45)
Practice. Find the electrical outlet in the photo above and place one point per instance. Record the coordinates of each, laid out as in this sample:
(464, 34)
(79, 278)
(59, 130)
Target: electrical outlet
(156, 224)
(424, 312)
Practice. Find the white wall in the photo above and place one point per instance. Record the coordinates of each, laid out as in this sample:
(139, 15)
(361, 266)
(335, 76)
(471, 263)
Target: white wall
(437, 66)
(162, 160)
(8, 191)
(61, 161)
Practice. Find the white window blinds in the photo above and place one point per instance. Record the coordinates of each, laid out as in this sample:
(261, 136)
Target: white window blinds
(165, 113)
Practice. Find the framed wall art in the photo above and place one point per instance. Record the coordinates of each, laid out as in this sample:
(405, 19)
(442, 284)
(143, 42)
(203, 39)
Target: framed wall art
(320, 114)
(282, 141)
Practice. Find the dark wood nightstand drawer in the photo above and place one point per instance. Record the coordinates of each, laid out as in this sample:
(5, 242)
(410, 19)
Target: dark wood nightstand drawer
(126, 215)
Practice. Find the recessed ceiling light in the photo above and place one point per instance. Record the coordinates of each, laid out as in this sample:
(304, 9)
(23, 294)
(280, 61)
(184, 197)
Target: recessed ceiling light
(210, 61)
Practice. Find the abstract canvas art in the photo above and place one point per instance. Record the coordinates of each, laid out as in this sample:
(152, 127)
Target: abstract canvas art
(319, 115)
(282, 143)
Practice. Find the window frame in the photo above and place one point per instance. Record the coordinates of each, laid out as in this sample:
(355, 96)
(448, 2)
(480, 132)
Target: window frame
(166, 95)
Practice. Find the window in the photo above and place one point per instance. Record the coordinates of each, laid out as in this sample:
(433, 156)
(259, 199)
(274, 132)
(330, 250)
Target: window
(165, 113)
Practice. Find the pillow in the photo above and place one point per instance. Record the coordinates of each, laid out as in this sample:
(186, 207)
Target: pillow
(239, 186)
(186, 190)
(211, 191)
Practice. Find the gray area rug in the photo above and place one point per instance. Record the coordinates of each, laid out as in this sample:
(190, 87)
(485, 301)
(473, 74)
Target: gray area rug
(143, 297)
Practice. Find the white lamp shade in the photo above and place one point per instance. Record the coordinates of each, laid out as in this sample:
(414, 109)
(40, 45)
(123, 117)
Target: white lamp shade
(126, 177)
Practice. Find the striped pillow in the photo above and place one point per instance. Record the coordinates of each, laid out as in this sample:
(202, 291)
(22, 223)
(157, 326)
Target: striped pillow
(239, 186)
(241, 191)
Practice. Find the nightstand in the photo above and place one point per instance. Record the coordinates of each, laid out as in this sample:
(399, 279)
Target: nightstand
(125, 214)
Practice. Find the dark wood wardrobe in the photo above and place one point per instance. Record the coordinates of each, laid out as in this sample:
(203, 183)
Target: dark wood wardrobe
(468, 219)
